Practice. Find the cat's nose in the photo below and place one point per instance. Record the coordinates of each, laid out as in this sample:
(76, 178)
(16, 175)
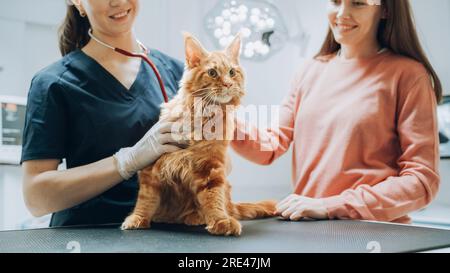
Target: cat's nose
(227, 84)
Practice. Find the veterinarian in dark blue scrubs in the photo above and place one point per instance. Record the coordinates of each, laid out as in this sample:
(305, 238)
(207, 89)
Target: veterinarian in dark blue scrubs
(81, 109)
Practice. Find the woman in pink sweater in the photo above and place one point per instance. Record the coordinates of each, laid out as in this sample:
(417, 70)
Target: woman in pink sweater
(362, 119)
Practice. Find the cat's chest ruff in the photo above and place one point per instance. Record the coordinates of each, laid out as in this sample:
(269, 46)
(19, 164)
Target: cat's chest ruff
(207, 145)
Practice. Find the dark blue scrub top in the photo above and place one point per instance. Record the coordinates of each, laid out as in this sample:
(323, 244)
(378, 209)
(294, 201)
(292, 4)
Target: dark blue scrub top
(78, 111)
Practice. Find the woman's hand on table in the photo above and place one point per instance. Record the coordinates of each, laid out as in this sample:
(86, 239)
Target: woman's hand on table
(296, 208)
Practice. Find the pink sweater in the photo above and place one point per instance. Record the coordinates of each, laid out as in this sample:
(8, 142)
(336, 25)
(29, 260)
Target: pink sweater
(364, 136)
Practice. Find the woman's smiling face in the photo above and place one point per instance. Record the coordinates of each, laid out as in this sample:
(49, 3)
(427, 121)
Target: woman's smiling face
(354, 21)
(110, 17)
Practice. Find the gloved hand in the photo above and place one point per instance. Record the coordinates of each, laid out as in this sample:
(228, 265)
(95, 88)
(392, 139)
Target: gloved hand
(156, 142)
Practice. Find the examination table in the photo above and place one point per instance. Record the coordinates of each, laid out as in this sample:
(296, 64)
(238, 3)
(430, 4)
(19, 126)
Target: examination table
(261, 236)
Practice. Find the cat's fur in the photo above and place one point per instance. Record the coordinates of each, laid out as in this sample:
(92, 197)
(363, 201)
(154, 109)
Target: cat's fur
(190, 186)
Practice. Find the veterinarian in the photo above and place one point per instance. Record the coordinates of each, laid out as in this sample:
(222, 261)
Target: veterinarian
(98, 109)
(362, 119)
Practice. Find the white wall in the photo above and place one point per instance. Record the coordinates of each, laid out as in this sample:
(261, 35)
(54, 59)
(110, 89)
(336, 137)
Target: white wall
(433, 24)
(28, 32)
(12, 207)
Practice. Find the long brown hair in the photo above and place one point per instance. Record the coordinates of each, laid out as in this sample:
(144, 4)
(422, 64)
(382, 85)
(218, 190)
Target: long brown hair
(398, 33)
(73, 33)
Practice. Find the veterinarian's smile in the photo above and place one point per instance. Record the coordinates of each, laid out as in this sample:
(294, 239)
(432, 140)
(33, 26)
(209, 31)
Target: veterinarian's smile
(120, 16)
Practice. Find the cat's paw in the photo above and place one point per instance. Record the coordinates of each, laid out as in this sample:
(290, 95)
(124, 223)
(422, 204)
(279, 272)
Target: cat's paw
(270, 207)
(227, 227)
(194, 219)
(135, 222)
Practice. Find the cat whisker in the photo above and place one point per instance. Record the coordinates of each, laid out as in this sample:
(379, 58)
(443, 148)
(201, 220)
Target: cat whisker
(200, 90)
(212, 98)
(201, 101)
(209, 99)
(238, 91)
(212, 92)
(211, 95)
(203, 90)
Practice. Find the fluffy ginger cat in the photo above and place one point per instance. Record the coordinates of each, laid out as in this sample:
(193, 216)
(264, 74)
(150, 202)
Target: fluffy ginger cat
(190, 186)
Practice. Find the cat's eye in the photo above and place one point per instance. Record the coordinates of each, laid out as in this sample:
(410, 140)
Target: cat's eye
(213, 73)
(232, 72)
(335, 2)
(359, 3)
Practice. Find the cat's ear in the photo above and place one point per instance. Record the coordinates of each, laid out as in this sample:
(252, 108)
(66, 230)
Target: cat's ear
(195, 52)
(234, 49)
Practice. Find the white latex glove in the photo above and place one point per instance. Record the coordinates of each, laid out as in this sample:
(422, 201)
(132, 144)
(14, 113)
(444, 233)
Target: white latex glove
(156, 142)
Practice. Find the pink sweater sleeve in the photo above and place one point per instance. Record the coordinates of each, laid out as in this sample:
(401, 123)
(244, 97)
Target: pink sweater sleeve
(264, 146)
(418, 181)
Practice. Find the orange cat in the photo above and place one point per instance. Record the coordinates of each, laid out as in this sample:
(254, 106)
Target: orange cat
(190, 186)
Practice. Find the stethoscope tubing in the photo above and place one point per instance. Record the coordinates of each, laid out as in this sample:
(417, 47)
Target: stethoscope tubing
(137, 55)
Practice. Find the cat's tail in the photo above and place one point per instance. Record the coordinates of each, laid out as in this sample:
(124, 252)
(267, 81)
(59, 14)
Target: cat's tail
(249, 211)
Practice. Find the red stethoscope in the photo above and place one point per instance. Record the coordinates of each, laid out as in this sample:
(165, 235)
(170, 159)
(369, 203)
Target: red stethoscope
(138, 55)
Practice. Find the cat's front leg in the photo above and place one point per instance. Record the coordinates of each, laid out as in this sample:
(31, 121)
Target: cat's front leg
(194, 219)
(135, 221)
(147, 203)
(213, 200)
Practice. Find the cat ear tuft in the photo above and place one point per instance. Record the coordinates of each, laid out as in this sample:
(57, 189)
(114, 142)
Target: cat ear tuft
(195, 52)
(234, 49)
